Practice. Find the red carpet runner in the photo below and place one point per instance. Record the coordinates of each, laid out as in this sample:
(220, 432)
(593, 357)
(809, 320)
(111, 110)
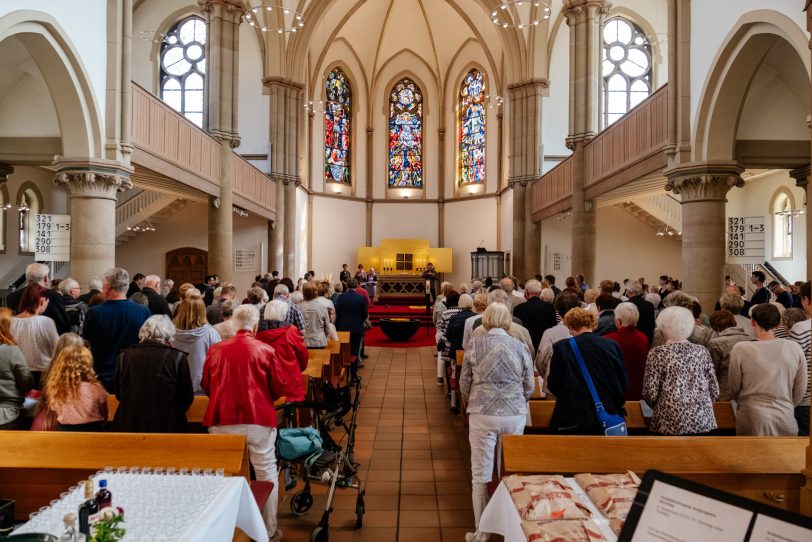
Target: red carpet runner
(423, 337)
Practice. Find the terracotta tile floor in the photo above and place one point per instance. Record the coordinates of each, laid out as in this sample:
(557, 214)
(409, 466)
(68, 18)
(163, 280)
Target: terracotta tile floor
(414, 459)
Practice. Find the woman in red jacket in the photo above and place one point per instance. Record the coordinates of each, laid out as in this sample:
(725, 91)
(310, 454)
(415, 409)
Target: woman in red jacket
(291, 352)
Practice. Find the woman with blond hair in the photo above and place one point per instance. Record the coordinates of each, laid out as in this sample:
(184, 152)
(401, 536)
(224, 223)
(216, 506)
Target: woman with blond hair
(15, 377)
(194, 334)
(74, 393)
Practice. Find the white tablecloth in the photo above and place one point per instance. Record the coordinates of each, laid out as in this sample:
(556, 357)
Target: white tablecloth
(502, 517)
(231, 504)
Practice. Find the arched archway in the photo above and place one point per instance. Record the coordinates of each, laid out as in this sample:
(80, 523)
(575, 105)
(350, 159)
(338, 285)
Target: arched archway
(755, 101)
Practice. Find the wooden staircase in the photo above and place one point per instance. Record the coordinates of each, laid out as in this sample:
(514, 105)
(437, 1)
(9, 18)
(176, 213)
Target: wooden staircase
(147, 206)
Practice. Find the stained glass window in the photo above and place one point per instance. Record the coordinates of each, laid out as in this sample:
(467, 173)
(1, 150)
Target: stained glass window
(183, 68)
(406, 135)
(337, 117)
(472, 129)
(626, 68)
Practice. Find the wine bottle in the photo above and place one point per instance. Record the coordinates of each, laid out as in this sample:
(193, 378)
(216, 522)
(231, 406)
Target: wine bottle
(103, 496)
(87, 509)
(71, 534)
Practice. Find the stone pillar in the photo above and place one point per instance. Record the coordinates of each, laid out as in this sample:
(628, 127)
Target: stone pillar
(519, 191)
(223, 18)
(806, 490)
(532, 238)
(703, 189)
(278, 237)
(801, 176)
(585, 19)
(92, 186)
(678, 146)
(284, 159)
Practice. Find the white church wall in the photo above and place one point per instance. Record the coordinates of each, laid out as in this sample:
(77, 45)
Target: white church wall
(90, 46)
(339, 228)
(711, 22)
(150, 19)
(468, 224)
(27, 110)
(556, 105)
(754, 200)
(404, 221)
(253, 112)
(556, 248)
(629, 249)
(506, 221)
(146, 253)
(301, 241)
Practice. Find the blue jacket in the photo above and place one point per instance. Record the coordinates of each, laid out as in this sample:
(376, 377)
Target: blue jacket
(351, 312)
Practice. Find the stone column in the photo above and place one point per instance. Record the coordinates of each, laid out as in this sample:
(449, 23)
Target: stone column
(519, 191)
(92, 186)
(801, 176)
(703, 189)
(286, 119)
(223, 19)
(532, 238)
(806, 490)
(278, 236)
(585, 19)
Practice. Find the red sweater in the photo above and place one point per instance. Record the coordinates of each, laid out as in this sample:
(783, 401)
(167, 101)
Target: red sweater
(634, 345)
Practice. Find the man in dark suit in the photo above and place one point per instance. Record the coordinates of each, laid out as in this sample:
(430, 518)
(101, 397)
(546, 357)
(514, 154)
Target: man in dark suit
(156, 302)
(136, 284)
(536, 315)
(38, 273)
(95, 288)
(645, 323)
(431, 276)
(351, 313)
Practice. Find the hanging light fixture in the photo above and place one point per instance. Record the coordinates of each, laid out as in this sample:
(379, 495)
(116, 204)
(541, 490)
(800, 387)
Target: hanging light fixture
(274, 18)
(521, 13)
(140, 228)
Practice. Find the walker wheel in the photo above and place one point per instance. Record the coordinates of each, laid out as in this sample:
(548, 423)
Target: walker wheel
(319, 534)
(359, 511)
(301, 502)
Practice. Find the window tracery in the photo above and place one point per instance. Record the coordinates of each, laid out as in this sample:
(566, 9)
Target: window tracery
(183, 68)
(337, 120)
(472, 129)
(405, 135)
(626, 68)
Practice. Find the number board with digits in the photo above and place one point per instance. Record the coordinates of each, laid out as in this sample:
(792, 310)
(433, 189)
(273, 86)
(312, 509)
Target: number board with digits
(745, 236)
(52, 238)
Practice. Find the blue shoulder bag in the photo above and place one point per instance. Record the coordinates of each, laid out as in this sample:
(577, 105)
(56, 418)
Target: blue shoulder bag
(613, 425)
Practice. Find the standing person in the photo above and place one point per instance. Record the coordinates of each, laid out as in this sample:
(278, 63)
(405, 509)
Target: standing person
(781, 295)
(239, 379)
(634, 347)
(136, 284)
(113, 325)
(295, 317)
(496, 380)
(762, 294)
(74, 307)
(15, 377)
(38, 273)
(226, 328)
(35, 334)
(214, 312)
(372, 286)
(95, 288)
(360, 275)
(167, 286)
(156, 302)
(645, 310)
(574, 411)
(194, 334)
(74, 393)
(767, 379)
(801, 333)
(680, 382)
(207, 288)
(291, 352)
(351, 313)
(563, 304)
(153, 384)
(536, 315)
(728, 334)
(344, 275)
(551, 280)
(317, 320)
(430, 276)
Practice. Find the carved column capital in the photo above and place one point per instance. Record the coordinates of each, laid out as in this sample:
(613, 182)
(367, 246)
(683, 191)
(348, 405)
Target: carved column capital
(801, 176)
(519, 182)
(90, 179)
(573, 9)
(5, 171)
(704, 182)
(229, 7)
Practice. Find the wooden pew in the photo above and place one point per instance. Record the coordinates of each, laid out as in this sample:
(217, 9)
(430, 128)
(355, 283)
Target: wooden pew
(194, 415)
(319, 358)
(344, 346)
(36, 466)
(759, 468)
(542, 411)
(336, 356)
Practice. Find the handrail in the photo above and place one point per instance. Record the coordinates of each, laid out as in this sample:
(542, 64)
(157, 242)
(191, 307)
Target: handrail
(130, 208)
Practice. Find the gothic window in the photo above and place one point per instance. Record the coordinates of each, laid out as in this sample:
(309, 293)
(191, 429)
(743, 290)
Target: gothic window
(29, 206)
(337, 118)
(782, 224)
(183, 68)
(472, 129)
(626, 68)
(406, 135)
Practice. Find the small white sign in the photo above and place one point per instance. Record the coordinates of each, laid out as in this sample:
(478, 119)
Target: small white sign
(746, 236)
(52, 241)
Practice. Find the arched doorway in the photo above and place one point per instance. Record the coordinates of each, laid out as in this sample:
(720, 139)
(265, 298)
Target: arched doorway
(187, 264)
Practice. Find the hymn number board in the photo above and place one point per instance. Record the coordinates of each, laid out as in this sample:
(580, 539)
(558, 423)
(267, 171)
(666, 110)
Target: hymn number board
(52, 241)
(745, 236)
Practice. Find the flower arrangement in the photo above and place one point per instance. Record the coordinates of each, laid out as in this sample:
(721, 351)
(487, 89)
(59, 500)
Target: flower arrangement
(107, 527)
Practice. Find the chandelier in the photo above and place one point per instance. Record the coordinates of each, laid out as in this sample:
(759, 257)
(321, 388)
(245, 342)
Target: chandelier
(668, 231)
(520, 13)
(140, 228)
(279, 19)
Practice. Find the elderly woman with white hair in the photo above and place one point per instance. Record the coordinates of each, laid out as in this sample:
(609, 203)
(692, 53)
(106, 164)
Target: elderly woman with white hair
(153, 383)
(634, 346)
(74, 307)
(680, 382)
(497, 380)
(291, 351)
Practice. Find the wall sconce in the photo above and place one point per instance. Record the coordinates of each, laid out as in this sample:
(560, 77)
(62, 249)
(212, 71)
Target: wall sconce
(404, 196)
(472, 190)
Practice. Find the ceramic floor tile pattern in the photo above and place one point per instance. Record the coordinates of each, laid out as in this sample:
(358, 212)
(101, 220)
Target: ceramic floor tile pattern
(414, 459)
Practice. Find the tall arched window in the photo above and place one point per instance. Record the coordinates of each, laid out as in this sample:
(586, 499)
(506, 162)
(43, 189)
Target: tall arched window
(782, 224)
(29, 205)
(183, 68)
(626, 68)
(405, 135)
(472, 129)
(337, 118)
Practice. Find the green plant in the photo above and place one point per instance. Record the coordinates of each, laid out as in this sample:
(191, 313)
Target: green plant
(108, 528)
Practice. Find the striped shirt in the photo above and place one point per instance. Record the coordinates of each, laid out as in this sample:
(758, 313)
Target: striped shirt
(801, 333)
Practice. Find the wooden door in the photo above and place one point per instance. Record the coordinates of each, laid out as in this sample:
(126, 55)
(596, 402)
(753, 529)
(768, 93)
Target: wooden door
(187, 264)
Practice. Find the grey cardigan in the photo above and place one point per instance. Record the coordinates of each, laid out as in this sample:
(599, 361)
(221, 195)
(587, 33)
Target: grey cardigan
(15, 382)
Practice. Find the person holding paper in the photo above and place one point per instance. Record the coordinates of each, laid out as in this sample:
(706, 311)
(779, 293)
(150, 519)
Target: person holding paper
(767, 377)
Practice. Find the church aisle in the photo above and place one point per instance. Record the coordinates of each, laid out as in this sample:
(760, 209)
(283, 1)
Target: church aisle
(414, 459)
